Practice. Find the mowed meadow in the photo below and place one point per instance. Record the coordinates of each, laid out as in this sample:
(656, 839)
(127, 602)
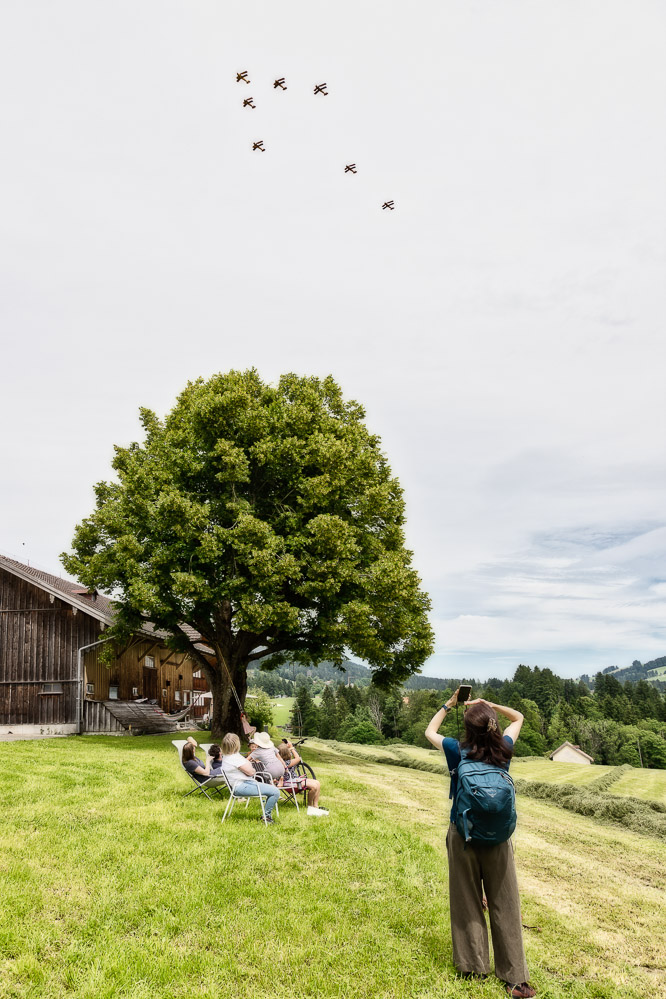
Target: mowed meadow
(113, 883)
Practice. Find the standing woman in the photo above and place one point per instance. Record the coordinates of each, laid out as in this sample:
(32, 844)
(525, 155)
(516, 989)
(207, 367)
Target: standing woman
(475, 867)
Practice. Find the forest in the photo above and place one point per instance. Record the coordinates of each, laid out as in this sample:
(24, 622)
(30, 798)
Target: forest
(615, 723)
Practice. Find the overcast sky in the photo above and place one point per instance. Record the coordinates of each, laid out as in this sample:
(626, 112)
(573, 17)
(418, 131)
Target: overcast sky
(504, 326)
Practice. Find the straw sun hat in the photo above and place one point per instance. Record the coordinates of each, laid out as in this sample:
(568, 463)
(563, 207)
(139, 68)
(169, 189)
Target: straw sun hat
(263, 740)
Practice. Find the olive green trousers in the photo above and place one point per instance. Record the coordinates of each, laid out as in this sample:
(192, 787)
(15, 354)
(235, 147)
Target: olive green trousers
(474, 870)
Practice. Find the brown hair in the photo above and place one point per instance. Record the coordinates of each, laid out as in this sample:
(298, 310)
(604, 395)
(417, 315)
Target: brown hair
(284, 751)
(214, 751)
(188, 752)
(230, 744)
(483, 737)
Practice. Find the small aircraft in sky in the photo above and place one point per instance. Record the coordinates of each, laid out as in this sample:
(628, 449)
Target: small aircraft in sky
(350, 168)
(389, 204)
(321, 89)
(259, 145)
(279, 83)
(249, 103)
(242, 76)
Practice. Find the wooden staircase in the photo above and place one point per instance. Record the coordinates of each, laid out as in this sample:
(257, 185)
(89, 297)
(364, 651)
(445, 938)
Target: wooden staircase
(126, 717)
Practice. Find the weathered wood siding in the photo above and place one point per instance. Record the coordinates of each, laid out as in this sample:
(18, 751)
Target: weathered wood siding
(39, 639)
(97, 719)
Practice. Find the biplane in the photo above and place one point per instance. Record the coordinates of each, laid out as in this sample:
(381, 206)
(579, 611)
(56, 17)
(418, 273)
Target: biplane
(279, 83)
(242, 76)
(321, 89)
(350, 168)
(249, 103)
(389, 204)
(259, 145)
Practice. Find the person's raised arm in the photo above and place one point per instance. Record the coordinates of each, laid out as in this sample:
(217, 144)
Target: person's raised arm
(437, 720)
(516, 719)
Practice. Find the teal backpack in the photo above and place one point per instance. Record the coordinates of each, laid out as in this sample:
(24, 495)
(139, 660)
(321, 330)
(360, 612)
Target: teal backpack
(485, 802)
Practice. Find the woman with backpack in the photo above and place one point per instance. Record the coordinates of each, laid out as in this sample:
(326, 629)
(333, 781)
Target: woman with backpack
(478, 843)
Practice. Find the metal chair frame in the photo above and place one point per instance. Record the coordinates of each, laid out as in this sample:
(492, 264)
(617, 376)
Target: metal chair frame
(213, 783)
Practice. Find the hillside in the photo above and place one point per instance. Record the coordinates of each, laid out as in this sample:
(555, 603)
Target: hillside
(654, 672)
(116, 884)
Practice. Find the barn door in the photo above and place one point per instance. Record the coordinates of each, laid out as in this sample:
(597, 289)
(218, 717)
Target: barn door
(149, 683)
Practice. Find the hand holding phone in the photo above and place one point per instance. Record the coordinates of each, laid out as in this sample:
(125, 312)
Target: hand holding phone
(464, 692)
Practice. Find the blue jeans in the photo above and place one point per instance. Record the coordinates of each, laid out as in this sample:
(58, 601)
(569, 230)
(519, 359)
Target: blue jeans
(253, 788)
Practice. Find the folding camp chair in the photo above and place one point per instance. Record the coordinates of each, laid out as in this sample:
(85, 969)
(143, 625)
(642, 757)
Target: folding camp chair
(290, 792)
(261, 778)
(213, 783)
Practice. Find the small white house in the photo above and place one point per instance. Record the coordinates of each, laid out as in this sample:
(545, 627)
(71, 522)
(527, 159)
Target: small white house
(568, 753)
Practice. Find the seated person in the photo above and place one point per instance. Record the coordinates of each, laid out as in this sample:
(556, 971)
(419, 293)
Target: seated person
(291, 781)
(193, 764)
(265, 756)
(239, 772)
(215, 759)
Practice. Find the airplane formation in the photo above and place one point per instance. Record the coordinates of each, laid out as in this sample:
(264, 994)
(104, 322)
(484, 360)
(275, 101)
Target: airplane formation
(280, 84)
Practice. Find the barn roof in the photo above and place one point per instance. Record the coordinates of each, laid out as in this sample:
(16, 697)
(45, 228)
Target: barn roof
(89, 601)
(93, 603)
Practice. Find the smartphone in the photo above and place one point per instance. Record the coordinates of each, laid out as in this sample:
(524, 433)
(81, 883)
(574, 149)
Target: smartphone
(464, 693)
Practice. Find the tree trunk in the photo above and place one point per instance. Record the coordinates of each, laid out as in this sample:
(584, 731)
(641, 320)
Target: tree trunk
(225, 712)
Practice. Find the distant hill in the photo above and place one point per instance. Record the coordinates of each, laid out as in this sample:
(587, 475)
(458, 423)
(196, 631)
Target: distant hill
(350, 671)
(654, 672)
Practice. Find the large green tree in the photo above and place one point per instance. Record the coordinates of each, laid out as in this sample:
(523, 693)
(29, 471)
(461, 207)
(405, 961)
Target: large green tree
(267, 519)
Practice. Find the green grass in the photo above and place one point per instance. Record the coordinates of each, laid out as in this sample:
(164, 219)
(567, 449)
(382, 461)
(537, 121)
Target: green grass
(558, 773)
(646, 784)
(113, 884)
(282, 710)
(635, 783)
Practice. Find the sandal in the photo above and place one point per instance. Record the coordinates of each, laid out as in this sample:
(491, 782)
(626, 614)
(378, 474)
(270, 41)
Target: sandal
(521, 991)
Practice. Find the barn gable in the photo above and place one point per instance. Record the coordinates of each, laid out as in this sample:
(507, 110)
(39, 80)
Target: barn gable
(51, 679)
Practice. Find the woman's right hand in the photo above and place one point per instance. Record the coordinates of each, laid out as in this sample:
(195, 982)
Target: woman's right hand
(453, 699)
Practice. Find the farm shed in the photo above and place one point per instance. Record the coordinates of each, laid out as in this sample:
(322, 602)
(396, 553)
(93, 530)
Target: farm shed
(568, 753)
(52, 681)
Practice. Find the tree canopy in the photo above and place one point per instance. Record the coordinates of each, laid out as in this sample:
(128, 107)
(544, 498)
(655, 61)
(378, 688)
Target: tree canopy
(267, 519)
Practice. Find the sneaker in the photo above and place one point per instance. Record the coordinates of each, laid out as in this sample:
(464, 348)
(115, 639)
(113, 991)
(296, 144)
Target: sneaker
(522, 991)
(268, 820)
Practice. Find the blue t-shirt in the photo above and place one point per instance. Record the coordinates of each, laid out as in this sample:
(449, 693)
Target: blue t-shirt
(451, 749)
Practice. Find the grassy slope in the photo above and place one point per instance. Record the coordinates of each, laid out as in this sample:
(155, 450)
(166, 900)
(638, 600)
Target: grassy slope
(114, 884)
(282, 709)
(646, 784)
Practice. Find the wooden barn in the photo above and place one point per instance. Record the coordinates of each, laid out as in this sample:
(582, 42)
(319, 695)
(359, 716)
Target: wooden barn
(52, 681)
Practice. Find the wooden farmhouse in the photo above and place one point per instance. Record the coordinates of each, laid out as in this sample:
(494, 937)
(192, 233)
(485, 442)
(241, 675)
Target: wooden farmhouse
(52, 681)
(568, 753)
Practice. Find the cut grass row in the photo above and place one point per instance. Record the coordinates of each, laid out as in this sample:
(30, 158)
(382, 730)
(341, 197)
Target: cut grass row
(648, 785)
(113, 884)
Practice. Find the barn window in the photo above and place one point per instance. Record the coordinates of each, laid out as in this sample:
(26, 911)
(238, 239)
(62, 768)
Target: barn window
(187, 696)
(177, 695)
(51, 688)
(135, 691)
(113, 692)
(90, 688)
(149, 662)
(197, 674)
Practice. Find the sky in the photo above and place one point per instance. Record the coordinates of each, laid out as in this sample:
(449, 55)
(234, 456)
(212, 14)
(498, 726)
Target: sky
(503, 326)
